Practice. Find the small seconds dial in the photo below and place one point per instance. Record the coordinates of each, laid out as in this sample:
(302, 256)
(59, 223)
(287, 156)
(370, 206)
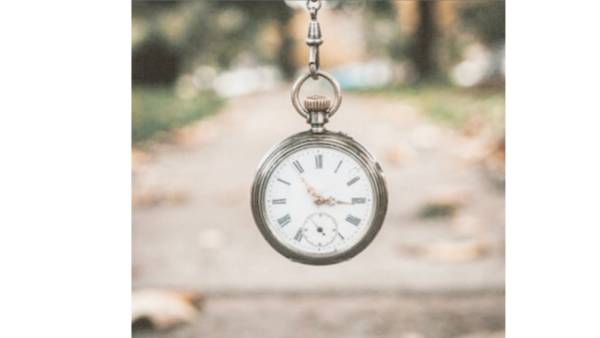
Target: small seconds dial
(320, 229)
(319, 200)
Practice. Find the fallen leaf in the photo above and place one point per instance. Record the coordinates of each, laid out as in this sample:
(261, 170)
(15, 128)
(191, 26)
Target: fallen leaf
(138, 158)
(444, 202)
(163, 309)
(399, 154)
(154, 197)
(448, 250)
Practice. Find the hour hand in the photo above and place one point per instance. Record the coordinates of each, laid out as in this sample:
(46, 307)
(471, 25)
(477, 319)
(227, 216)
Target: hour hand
(311, 190)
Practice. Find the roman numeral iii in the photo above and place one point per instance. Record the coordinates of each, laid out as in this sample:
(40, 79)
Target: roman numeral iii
(285, 220)
(359, 200)
(353, 219)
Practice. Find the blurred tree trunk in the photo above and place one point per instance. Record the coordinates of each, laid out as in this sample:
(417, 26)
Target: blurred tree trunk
(422, 50)
(285, 59)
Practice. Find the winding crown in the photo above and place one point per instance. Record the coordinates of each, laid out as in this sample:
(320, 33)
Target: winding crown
(317, 103)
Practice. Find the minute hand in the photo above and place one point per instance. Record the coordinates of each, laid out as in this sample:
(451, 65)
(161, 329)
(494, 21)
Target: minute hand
(332, 201)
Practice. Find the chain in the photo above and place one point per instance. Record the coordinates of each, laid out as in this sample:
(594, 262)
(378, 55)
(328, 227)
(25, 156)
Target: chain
(314, 39)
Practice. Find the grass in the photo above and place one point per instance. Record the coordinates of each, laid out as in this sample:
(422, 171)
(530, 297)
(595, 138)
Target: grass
(156, 112)
(450, 105)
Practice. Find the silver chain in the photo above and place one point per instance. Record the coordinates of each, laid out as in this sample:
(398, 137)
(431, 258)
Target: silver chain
(314, 39)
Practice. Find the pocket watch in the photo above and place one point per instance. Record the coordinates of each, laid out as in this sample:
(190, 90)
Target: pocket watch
(319, 197)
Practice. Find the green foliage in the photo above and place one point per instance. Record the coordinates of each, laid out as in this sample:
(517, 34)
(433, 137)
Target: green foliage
(449, 105)
(218, 33)
(156, 111)
(485, 19)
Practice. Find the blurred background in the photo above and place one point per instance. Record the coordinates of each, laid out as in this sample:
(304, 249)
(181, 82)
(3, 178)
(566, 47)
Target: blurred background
(423, 90)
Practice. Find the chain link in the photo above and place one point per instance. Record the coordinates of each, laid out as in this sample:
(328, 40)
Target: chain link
(314, 39)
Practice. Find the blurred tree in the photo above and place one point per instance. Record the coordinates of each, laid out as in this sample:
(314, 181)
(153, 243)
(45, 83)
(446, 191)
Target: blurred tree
(149, 8)
(219, 32)
(261, 13)
(422, 47)
(486, 20)
(382, 24)
(155, 62)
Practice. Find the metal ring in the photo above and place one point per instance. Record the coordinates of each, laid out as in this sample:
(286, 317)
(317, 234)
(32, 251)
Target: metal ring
(313, 1)
(336, 89)
(313, 71)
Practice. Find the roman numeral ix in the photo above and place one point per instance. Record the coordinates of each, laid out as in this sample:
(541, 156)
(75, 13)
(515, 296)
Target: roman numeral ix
(281, 201)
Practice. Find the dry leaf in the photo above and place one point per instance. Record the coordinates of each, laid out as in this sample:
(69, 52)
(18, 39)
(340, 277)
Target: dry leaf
(444, 202)
(154, 197)
(200, 133)
(462, 250)
(138, 158)
(163, 309)
(399, 154)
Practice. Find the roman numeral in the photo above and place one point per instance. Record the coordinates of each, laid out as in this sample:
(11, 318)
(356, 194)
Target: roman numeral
(299, 235)
(352, 219)
(342, 237)
(359, 200)
(354, 180)
(282, 181)
(281, 201)
(338, 168)
(298, 166)
(285, 220)
(319, 161)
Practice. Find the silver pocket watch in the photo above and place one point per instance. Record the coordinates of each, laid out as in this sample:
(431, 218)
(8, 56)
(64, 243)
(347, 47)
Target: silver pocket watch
(319, 197)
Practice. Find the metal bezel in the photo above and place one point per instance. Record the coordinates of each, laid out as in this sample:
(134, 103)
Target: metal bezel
(326, 139)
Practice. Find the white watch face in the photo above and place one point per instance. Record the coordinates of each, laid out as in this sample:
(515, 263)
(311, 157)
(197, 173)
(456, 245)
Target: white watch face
(319, 200)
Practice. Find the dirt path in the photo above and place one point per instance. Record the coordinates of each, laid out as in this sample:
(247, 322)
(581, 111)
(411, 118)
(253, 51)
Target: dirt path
(345, 317)
(199, 235)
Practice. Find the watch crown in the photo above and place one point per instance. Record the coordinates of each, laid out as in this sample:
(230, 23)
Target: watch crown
(317, 103)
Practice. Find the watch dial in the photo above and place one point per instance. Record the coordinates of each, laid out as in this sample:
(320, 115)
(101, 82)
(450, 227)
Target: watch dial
(319, 200)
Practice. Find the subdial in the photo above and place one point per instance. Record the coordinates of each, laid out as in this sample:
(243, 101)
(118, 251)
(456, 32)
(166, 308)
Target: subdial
(320, 229)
